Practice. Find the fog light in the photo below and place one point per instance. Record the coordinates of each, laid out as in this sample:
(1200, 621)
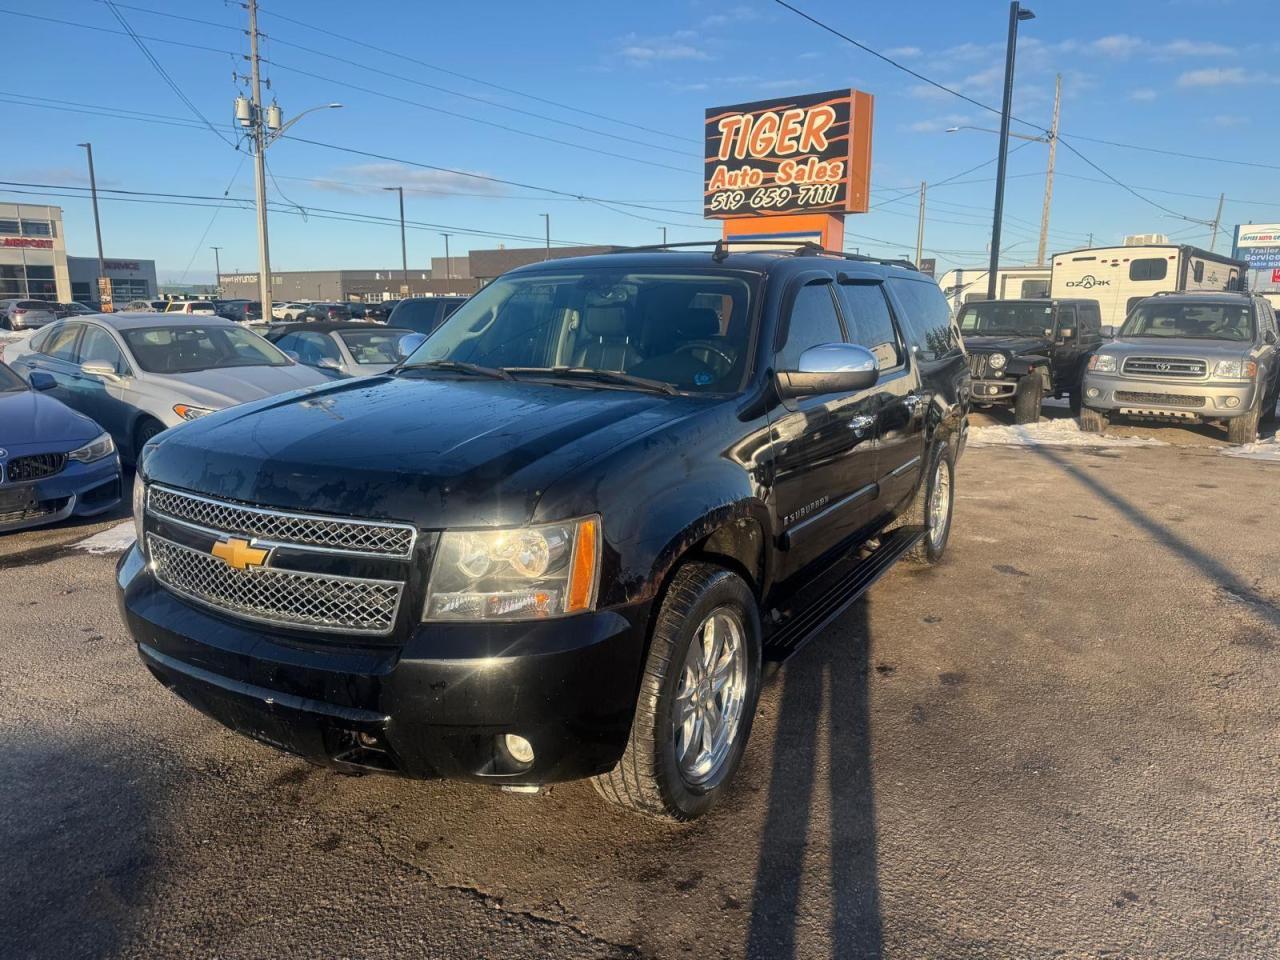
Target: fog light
(521, 750)
(1092, 392)
(367, 740)
(1233, 401)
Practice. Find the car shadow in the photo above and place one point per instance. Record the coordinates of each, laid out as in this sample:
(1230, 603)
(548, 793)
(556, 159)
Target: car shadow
(824, 685)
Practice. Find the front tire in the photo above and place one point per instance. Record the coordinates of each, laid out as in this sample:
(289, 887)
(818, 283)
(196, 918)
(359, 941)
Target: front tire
(697, 698)
(1092, 421)
(1243, 429)
(1030, 397)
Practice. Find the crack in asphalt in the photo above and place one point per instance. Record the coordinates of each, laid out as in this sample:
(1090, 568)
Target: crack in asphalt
(496, 903)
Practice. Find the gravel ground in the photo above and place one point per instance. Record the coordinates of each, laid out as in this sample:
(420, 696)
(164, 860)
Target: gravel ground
(1060, 743)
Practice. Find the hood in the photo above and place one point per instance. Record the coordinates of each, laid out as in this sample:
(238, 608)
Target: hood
(1006, 343)
(33, 422)
(435, 451)
(227, 386)
(1210, 350)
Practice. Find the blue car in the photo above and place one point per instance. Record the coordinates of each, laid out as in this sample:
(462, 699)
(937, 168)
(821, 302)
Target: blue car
(54, 462)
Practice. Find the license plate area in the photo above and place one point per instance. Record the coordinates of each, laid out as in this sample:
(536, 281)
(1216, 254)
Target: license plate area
(17, 499)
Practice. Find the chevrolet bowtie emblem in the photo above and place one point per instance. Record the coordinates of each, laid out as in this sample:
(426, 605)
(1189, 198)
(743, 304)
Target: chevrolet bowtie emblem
(238, 554)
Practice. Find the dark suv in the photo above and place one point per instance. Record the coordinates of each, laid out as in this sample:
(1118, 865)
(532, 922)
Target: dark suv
(1021, 351)
(559, 539)
(423, 314)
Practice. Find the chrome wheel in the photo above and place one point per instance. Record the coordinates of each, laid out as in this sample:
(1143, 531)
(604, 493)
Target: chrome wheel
(940, 504)
(710, 695)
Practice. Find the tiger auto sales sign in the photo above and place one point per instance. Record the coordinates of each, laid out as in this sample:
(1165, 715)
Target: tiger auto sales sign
(798, 154)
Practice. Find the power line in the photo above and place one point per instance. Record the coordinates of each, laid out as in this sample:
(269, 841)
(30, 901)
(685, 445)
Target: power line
(1176, 153)
(209, 226)
(1159, 206)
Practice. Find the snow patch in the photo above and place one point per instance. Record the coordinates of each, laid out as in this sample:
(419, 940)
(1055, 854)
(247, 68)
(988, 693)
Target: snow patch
(1267, 450)
(115, 539)
(1059, 433)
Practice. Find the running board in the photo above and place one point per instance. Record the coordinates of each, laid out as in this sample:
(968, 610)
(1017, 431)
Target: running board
(818, 611)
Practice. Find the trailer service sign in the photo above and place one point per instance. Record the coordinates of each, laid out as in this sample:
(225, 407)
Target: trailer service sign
(810, 153)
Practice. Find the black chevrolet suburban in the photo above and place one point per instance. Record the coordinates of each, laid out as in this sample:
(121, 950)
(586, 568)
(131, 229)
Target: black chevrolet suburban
(559, 539)
(1021, 351)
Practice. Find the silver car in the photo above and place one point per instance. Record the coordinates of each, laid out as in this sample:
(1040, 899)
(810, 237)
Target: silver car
(26, 314)
(1197, 357)
(137, 374)
(352, 349)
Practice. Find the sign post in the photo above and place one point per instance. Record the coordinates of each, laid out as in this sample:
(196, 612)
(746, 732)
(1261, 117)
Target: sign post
(104, 295)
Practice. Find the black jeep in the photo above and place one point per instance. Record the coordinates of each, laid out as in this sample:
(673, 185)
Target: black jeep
(559, 539)
(1021, 351)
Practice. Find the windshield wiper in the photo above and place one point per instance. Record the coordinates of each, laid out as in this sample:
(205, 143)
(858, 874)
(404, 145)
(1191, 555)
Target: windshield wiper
(459, 366)
(603, 376)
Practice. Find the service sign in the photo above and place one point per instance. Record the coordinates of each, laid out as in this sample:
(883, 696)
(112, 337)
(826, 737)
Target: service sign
(808, 154)
(1258, 245)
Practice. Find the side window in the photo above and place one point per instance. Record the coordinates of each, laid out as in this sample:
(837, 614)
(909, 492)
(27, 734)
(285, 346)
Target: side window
(1197, 271)
(1034, 288)
(926, 320)
(1067, 320)
(96, 346)
(314, 347)
(1151, 268)
(813, 321)
(61, 345)
(1090, 317)
(870, 325)
(41, 337)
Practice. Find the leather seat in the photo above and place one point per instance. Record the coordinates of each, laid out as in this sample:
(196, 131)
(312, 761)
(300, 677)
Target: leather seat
(609, 346)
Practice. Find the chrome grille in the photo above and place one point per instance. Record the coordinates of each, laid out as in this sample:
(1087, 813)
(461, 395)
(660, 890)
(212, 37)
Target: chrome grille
(978, 365)
(366, 538)
(1164, 367)
(1160, 399)
(34, 466)
(284, 597)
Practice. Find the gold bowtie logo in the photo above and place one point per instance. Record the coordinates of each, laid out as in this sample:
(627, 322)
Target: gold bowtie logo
(238, 554)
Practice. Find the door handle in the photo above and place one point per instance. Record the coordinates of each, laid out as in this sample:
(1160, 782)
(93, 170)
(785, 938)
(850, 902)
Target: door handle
(860, 425)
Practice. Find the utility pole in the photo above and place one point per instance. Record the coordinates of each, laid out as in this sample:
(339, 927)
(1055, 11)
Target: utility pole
(404, 250)
(1016, 13)
(1048, 177)
(1091, 241)
(97, 224)
(1217, 221)
(664, 235)
(920, 226)
(217, 272)
(547, 217)
(448, 266)
(259, 136)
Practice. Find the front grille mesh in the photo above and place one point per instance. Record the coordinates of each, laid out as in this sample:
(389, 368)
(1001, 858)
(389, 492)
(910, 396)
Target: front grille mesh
(978, 365)
(1160, 399)
(35, 466)
(1165, 367)
(352, 536)
(286, 597)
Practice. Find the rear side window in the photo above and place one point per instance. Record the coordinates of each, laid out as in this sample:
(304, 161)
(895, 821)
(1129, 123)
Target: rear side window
(866, 315)
(813, 322)
(927, 321)
(61, 346)
(1150, 268)
(421, 314)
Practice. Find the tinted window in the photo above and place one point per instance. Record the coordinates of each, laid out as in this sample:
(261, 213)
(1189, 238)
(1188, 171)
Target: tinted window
(1159, 317)
(813, 322)
(1090, 317)
(1007, 317)
(1197, 271)
(1066, 318)
(1131, 303)
(37, 228)
(1034, 288)
(420, 314)
(10, 382)
(1152, 268)
(61, 346)
(187, 348)
(311, 348)
(866, 315)
(373, 346)
(927, 323)
(96, 346)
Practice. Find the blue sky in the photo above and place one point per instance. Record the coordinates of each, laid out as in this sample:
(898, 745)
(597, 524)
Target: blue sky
(1181, 75)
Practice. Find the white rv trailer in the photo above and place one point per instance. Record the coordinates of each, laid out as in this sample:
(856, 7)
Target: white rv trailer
(1118, 277)
(1012, 283)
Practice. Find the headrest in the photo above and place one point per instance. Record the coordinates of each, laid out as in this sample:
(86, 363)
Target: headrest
(699, 323)
(605, 321)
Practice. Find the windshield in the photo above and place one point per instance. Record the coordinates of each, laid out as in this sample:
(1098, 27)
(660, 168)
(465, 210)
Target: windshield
(373, 346)
(187, 348)
(995, 316)
(1193, 321)
(690, 330)
(10, 382)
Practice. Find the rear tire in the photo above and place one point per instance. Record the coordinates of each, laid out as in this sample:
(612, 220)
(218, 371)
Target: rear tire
(1030, 396)
(1092, 421)
(939, 478)
(653, 778)
(144, 433)
(1243, 429)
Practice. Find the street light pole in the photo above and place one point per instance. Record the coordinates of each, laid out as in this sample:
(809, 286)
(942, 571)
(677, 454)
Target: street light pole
(217, 272)
(97, 224)
(404, 249)
(1016, 13)
(547, 217)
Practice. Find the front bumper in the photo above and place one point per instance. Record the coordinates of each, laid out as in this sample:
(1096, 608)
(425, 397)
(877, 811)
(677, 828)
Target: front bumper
(78, 490)
(437, 706)
(995, 391)
(1193, 400)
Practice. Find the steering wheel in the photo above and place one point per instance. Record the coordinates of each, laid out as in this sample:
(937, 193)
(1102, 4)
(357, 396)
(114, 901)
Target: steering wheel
(711, 347)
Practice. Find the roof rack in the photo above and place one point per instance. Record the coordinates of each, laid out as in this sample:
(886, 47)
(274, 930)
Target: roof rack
(805, 248)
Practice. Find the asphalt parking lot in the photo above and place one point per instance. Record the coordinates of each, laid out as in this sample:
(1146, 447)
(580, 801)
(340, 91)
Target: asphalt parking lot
(1060, 743)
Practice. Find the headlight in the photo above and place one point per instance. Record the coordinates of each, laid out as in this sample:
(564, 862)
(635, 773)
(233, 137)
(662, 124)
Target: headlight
(97, 448)
(997, 361)
(1102, 363)
(139, 505)
(524, 573)
(1235, 370)
(187, 412)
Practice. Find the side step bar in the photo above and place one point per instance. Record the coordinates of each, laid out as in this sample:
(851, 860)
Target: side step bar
(818, 611)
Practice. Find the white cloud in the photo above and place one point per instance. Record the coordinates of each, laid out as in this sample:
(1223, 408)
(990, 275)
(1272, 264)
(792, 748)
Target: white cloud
(1143, 95)
(1193, 48)
(644, 51)
(1213, 77)
(1118, 45)
(903, 53)
(1229, 120)
(373, 177)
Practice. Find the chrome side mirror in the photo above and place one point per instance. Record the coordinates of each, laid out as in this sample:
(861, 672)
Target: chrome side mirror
(328, 363)
(98, 368)
(830, 368)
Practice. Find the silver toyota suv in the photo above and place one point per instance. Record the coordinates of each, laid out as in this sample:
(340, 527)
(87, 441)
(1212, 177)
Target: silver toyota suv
(1198, 357)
